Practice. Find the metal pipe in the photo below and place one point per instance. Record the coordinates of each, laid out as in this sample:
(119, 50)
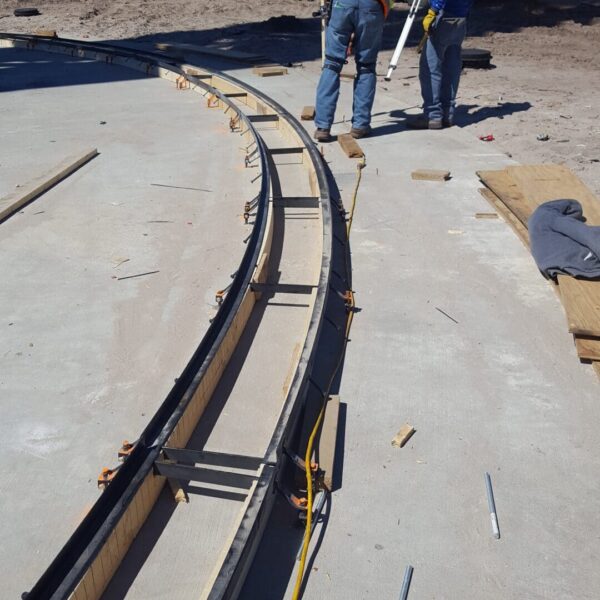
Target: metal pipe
(408, 573)
(492, 506)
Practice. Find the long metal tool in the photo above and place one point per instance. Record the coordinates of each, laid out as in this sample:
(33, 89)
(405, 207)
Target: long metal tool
(412, 13)
(406, 583)
(492, 506)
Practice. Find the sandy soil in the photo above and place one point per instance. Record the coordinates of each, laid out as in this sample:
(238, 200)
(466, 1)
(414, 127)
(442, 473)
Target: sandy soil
(545, 81)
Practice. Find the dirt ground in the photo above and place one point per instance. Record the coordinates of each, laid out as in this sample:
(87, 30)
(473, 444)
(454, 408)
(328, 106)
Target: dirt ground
(545, 79)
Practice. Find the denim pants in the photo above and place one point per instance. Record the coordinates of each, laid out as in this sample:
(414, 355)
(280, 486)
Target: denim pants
(365, 19)
(440, 68)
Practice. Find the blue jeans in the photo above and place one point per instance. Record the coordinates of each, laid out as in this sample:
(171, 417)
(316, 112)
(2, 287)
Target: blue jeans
(365, 19)
(440, 68)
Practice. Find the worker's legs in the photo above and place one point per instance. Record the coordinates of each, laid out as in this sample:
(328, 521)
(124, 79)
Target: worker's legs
(430, 75)
(341, 27)
(452, 66)
(367, 43)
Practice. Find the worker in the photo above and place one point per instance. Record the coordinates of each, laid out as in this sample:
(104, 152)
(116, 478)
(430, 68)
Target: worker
(364, 19)
(445, 25)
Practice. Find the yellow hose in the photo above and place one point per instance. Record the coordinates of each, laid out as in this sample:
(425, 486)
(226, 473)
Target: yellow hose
(309, 447)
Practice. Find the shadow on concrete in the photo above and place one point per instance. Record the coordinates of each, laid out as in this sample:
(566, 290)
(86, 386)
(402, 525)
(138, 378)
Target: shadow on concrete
(292, 40)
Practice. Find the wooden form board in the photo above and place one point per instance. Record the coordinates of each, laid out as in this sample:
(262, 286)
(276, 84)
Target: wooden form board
(12, 203)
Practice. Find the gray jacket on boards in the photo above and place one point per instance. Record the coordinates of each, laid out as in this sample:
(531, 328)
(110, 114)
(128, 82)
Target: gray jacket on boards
(561, 242)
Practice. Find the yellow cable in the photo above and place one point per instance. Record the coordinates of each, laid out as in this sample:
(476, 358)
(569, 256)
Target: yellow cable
(309, 447)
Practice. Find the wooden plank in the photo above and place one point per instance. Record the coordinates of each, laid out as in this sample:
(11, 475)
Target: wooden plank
(581, 300)
(49, 33)
(328, 441)
(350, 146)
(12, 203)
(405, 433)
(430, 175)
(542, 183)
(596, 366)
(588, 347)
(507, 215)
(308, 113)
(480, 215)
(269, 71)
(502, 184)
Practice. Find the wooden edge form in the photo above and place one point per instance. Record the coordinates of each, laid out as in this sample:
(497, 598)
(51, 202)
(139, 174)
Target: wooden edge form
(350, 146)
(10, 204)
(507, 215)
(328, 441)
(430, 175)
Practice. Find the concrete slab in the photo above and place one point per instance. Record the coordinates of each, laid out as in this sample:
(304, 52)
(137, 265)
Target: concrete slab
(499, 390)
(86, 358)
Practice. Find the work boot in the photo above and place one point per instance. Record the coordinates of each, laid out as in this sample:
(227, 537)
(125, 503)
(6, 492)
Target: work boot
(322, 135)
(360, 132)
(423, 122)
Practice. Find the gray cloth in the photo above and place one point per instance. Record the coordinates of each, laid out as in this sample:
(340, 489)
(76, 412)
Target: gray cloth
(561, 242)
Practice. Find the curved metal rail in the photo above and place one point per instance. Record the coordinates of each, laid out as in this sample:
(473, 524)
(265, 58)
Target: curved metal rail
(96, 533)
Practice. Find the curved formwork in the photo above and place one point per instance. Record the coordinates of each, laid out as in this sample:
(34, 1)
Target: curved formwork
(227, 419)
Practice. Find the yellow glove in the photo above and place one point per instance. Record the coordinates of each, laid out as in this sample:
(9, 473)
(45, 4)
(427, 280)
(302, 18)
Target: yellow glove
(429, 19)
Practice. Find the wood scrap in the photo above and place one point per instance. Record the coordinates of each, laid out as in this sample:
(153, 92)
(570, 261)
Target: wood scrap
(269, 71)
(430, 175)
(13, 202)
(308, 113)
(480, 215)
(350, 146)
(50, 33)
(328, 441)
(405, 433)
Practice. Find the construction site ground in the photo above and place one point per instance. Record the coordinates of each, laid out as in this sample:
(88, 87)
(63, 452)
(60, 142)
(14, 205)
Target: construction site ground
(457, 333)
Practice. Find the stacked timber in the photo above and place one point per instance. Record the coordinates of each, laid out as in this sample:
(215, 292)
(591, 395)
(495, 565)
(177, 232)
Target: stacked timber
(515, 192)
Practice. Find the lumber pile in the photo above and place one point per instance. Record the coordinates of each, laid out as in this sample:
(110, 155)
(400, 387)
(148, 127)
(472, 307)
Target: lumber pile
(516, 192)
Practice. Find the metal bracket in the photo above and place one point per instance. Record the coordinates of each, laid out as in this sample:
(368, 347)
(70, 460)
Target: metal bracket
(300, 463)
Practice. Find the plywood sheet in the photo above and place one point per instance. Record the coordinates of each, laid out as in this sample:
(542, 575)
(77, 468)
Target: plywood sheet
(588, 347)
(542, 183)
(581, 300)
(503, 185)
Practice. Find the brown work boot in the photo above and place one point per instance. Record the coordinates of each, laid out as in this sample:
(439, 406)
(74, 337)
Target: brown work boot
(360, 132)
(423, 122)
(322, 135)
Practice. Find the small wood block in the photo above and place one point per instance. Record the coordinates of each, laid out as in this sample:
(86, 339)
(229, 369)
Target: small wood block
(348, 75)
(308, 113)
(405, 433)
(269, 71)
(597, 368)
(430, 175)
(328, 441)
(486, 215)
(350, 146)
(50, 33)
